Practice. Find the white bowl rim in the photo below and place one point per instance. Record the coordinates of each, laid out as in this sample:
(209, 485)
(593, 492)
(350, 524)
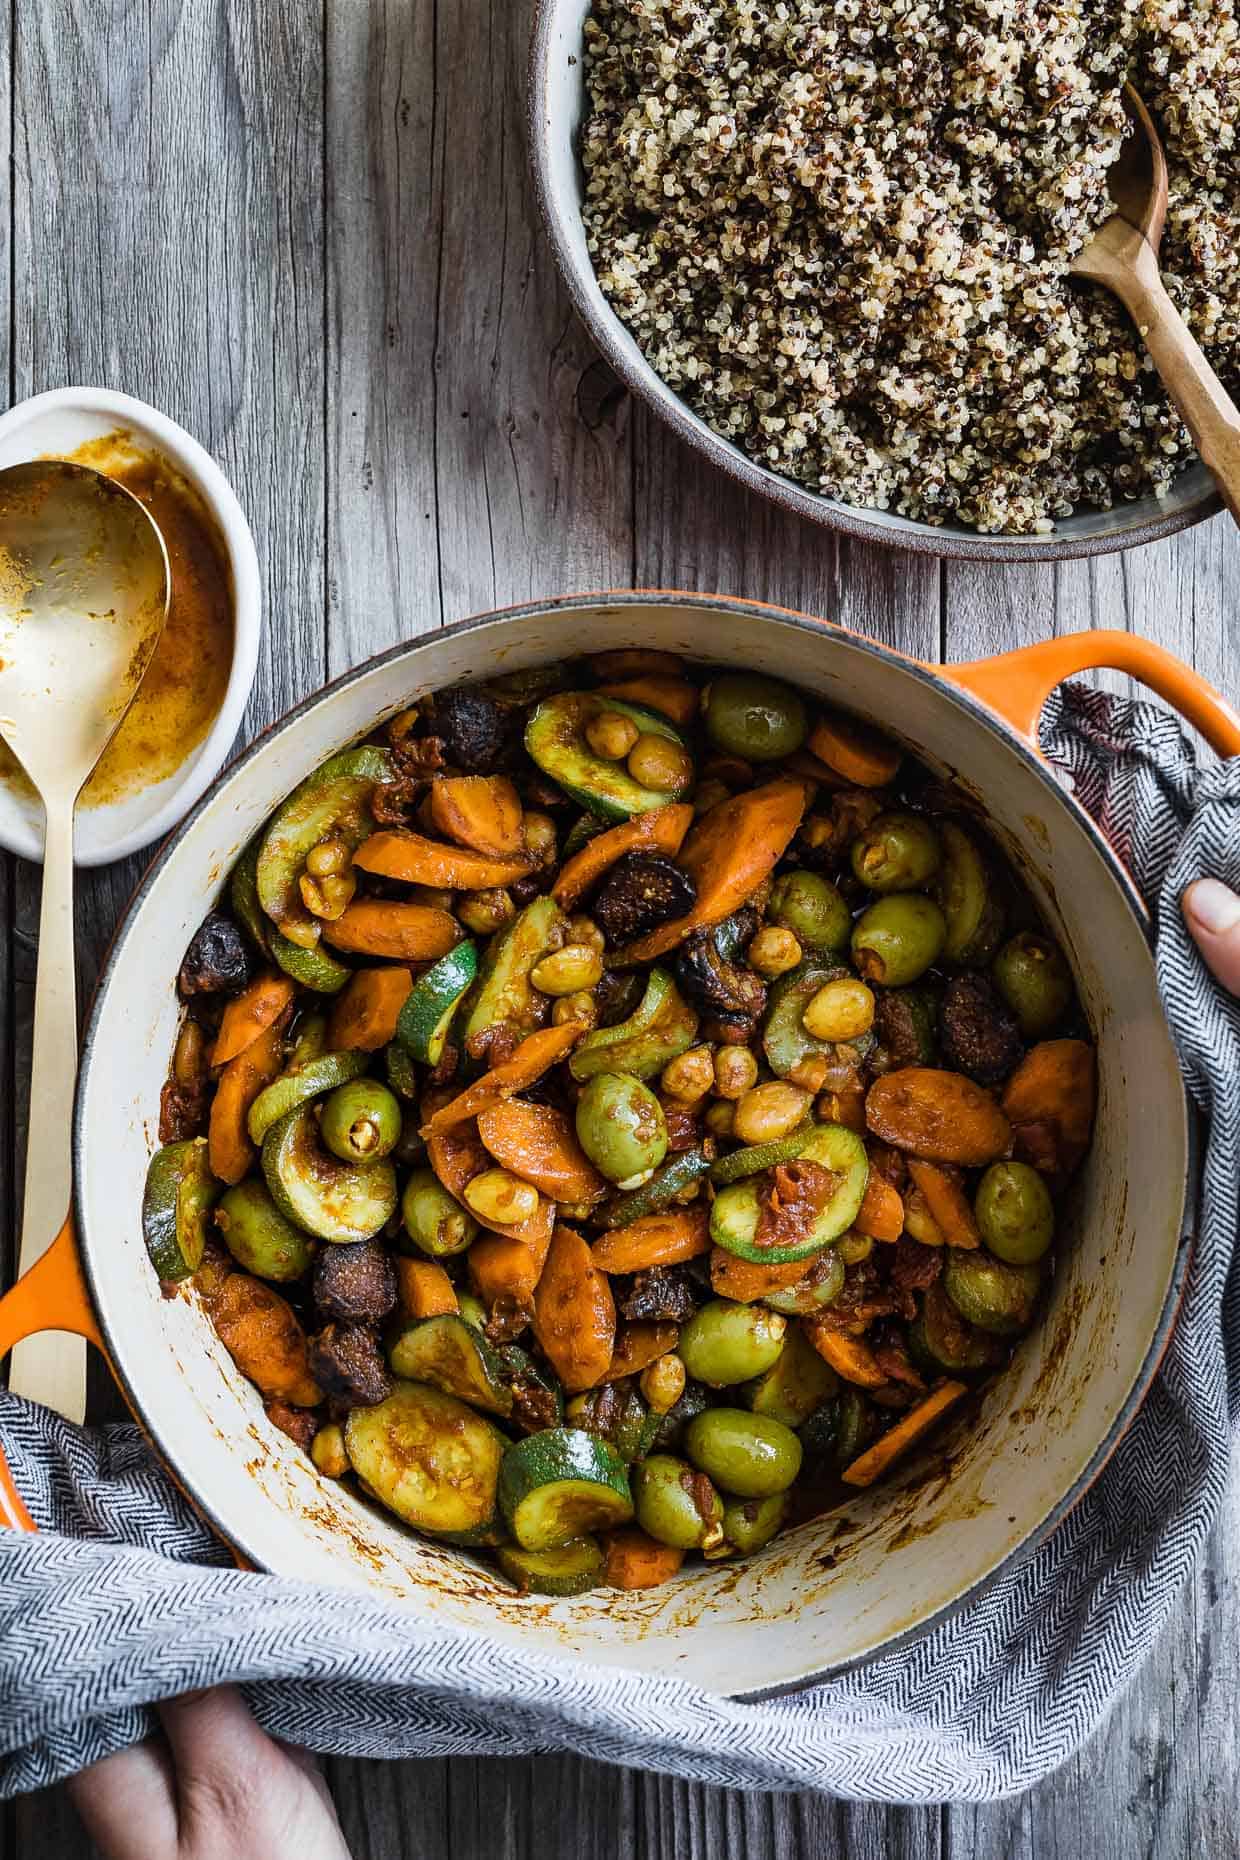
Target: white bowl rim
(192, 458)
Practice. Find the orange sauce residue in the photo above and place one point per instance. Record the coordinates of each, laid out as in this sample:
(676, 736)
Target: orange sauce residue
(184, 687)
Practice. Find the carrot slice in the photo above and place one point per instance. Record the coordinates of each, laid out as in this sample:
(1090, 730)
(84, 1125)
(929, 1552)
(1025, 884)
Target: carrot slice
(457, 1155)
(674, 697)
(871, 1464)
(261, 1333)
(728, 853)
(574, 1312)
(1055, 1087)
(503, 1267)
(660, 830)
(539, 1144)
(423, 1289)
(534, 1056)
(250, 1013)
(631, 1560)
(229, 1150)
(850, 1357)
(854, 750)
(746, 1279)
(395, 853)
(638, 1345)
(656, 1240)
(803, 763)
(940, 1116)
(364, 1016)
(480, 812)
(947, 1202)
(881, 1214)
(407, 932)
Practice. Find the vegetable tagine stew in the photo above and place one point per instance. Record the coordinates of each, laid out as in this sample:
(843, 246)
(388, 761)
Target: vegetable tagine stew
(619, 1109)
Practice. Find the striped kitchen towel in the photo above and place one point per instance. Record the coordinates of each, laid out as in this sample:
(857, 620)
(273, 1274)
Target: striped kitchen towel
(125, 1599)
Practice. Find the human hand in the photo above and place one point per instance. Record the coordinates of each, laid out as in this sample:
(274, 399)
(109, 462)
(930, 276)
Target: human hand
(1212, 914)
(217, 1788)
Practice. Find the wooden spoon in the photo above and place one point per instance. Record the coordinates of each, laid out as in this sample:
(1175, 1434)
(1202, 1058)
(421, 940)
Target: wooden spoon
(83, 600)
(1123, 255)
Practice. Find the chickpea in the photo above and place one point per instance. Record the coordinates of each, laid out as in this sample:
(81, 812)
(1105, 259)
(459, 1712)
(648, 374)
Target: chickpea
(769, 1112)
(662, 1382)
(657, 762)
(328, 897)
(736, 1071)
(690, 1077)
(581, 1008)
(582, 929)
(486, 911)
(708, 794)
(773, 951)
(573, 969)
(327, 1451)
(497, 1195)
(853, 1247)
(330, 857)
(538, 832)
(841, 1010)
(810, 1074)
(611, 735)
(720, 1118)
(818, 831)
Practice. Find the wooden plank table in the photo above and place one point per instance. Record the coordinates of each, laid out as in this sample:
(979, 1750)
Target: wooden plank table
(305, 230)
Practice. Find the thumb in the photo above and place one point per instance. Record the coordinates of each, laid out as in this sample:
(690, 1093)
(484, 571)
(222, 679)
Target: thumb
(1212, 913)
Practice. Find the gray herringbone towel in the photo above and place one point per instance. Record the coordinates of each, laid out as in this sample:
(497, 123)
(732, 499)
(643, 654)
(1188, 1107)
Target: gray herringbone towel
(124, 1600)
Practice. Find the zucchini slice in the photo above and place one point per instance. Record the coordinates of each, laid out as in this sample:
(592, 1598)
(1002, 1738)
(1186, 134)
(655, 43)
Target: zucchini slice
(429, 1458)
(966, 898)
(555, 738)
(330, 1199)
(668, 1180)
(759, 1156)
(569, 1570)
(179, 1195)
(334, 800)
(314, 968)
(504, 995)
(243, 897)
(298, 1085)
(258, 1236)
(451, 1355)
(432, 1002)
(784, 1039)
(556, 1485)
(401, 1072)
(735, 1211)
(661, 1028)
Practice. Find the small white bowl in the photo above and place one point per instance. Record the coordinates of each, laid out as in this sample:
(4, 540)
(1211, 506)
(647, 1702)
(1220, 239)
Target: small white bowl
(58, 423)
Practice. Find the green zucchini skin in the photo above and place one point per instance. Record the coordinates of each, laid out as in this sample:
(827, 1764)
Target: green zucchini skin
(334, 799)
(332, 1200)
(179, 1195)
(314, 968)
(665, 1184)
(451, 1355)
(570, 1569)
(558, 1484)
(243, 897)
(759, 1156)
(784, 1039)
(503, 994)
(735, 1212)
(298, 1086)
(555, 739)
(429, 1459)
(259, 1237)
(661, 1028)
(427, 1016)
(966, 897)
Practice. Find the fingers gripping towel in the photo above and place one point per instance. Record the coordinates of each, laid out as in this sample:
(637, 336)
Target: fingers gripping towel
(126, 1598)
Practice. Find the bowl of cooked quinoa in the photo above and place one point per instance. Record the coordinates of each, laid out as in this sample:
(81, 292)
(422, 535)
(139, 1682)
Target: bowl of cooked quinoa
(828, 242)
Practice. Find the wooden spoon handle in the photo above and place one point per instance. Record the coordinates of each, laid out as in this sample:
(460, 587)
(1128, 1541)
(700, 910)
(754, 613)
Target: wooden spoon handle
(1123, 261)
(51, 1367)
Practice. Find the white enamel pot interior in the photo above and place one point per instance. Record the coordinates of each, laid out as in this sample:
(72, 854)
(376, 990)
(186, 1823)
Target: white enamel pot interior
(834, 1590)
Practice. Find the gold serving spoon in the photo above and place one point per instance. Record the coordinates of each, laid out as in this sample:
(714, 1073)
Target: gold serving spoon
(1123, 255)
(83, 600)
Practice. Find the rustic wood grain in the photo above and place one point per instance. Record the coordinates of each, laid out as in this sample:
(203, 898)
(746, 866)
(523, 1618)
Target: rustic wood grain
(306, 231)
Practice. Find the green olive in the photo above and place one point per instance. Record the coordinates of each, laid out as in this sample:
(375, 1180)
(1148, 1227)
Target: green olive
(939, 1338)
(675, 1505)
(725, 1343)
(360, 1121)
(1035, 981)
(990, 1293)
(898, 938)
(856, 1427)
(746, 1454)
(1014, 1212)
(896, 852)
(258, 1236)
(434, 1220)
(621, 1126)
(758, 718)
(749, 1523)
(812, 908)
(972, 914)
(795, 1385)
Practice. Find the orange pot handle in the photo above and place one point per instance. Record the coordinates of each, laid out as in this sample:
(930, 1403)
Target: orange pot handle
(51, 1296)
(1017, 684)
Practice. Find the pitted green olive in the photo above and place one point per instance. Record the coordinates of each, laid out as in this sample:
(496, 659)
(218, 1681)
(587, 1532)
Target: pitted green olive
(898, 938)
(725, 1343)
(1035, 981)
(435, 1222)
(812, 908)
(1014, 1212)
(896, 852)
(749, 1523)
(990, 1293)
(758, 718)
(361, 1121)
(621, 1126)
(746, 1454)
(675, 1505)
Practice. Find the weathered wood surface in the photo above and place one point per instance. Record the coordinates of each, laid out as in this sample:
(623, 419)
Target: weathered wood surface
(305, 230)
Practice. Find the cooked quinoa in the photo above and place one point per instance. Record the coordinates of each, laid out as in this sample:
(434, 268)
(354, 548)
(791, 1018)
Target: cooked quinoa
(841, 231)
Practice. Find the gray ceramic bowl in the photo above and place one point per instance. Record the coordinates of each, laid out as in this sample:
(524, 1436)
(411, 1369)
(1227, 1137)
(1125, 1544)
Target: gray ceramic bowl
(555, 105)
